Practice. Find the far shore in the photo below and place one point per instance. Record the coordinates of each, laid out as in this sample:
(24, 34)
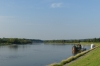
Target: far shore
(73, 43)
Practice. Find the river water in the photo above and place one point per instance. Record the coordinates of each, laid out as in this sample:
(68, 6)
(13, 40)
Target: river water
(37, 54)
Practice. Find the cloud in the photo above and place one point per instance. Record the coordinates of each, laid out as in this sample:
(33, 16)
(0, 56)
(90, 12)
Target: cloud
(56, 5)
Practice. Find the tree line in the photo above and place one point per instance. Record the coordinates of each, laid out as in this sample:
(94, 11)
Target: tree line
(14, 41)
(73, 41)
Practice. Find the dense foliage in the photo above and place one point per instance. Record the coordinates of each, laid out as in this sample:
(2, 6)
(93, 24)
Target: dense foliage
(14, 41)
(62, 41)
(73, 41)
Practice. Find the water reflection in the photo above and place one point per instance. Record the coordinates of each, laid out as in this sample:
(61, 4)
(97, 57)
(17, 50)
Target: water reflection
(18, 47)
(15, 47)
(74, 53)
(34, 54)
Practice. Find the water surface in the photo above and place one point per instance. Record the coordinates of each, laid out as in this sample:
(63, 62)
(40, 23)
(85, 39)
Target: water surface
(37, 54)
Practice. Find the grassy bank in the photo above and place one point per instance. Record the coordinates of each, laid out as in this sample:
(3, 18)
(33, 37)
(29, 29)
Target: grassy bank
(84, 61)
(68, 60)
(90, 59)
(87, 43)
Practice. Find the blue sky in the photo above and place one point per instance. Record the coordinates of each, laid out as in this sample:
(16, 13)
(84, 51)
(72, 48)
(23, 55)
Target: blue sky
(50, 19)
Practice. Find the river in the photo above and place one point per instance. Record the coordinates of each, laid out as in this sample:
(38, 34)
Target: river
(37, 54)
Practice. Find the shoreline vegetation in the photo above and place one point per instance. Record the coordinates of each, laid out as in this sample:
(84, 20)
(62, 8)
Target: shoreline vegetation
(9, 41)
(74, 58)
(70, 59)
(90, 40)
(95, 41)
(90, 59)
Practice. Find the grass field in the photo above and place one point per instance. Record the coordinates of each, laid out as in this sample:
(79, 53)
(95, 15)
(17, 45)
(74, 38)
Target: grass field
(90, 59)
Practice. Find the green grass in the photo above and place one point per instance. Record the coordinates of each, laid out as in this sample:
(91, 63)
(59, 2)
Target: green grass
(96, 43)
(63, 62)
(90, 59)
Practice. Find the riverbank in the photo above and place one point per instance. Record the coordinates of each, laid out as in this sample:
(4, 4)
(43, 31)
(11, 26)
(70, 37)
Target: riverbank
(70, 59)
(86, 43)
(73, 58)
(90, 59)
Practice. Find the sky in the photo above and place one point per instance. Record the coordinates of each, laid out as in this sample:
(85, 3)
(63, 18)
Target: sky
(50, 19)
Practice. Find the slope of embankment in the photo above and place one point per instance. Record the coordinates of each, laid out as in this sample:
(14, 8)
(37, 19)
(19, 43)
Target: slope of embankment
(90, 59)
(86, 58)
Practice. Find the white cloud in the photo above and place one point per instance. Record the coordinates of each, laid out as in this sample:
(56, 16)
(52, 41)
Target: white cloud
(56, 5)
